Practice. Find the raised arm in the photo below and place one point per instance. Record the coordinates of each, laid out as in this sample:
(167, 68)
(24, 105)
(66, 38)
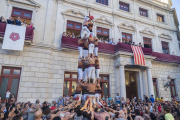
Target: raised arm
(82, 84)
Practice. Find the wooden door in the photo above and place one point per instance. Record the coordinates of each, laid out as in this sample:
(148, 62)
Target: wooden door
(9, 80)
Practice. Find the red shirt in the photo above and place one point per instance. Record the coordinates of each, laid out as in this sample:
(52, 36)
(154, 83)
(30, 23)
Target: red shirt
(53, 107)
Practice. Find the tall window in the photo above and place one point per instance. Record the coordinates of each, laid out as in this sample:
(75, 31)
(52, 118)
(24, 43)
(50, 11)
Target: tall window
(126, 38)
(165, 47)
(10, 77)
(105, 2)
(147, 42)
(143, 12)
(22, 13)
(160, 18)
(155, 87)
(70, 81)
(74, 27)
(102, 33)
(124, 6)
(172, 87)
(104, 82)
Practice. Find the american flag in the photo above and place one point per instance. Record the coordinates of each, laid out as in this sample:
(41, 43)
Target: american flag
(138, 55)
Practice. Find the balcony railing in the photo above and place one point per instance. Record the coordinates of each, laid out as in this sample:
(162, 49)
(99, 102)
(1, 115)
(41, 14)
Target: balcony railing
(72, 43)
(28, 36)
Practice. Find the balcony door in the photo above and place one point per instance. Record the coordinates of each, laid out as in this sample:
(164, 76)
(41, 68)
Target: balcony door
(70, 82)
(104, 83)
(10, 77)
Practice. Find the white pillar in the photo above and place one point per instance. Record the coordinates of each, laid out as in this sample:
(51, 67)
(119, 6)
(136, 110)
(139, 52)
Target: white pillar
(144, 82)
(117, 80)
(122, 82)
(150, 82)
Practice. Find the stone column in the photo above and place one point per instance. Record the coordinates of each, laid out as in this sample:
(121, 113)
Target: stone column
(150, 82)
(144, 83)
(122, 81)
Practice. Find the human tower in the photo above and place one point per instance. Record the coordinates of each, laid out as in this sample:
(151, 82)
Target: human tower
(88, 86)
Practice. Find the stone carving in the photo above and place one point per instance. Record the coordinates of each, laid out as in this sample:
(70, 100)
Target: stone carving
(147, 31)
(73, 12)
(127, 25)
(165, 36)
(103, 20)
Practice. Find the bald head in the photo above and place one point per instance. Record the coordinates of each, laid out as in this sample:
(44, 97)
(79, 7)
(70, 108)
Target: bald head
(38, 115)
(49, 116)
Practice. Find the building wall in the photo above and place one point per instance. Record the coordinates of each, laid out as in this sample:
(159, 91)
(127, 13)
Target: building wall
(44, 62)
(161, 72)
(43, 70)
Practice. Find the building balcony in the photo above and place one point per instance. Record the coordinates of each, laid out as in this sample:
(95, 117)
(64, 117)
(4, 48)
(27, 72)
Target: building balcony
(28, 36)
(72, 43)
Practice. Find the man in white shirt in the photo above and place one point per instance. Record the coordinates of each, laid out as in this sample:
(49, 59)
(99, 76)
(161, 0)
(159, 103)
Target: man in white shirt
(117, 98)
(111, 41)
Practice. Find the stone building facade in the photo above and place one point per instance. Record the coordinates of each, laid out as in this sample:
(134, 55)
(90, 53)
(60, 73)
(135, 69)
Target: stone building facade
(44, 63)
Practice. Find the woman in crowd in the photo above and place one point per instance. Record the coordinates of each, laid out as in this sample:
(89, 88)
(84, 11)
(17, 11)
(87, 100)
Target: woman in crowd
(25, 111)
(11, 113)
(18, 109)
(24, 23)
(138, 115)
(123, 102)
(30, 25)
(13, 98)
(1, 113)
(2, 20)
(167, 110)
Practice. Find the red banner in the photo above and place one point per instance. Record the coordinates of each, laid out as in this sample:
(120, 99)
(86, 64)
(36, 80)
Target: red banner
(138, 55)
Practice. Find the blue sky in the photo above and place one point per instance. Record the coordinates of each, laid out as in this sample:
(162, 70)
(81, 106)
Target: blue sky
(176, 5)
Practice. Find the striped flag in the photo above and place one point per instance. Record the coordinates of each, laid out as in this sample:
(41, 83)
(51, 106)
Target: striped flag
(138, 55)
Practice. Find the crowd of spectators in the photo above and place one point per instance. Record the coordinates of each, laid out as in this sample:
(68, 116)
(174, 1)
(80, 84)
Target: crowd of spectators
(72, 35)
(18, 22)
(104, 40)
(68, 108)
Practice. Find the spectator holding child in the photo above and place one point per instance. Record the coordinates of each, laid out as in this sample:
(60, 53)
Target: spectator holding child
(18, 21)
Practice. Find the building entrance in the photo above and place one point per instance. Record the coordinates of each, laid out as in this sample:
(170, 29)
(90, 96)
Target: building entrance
(131, 84)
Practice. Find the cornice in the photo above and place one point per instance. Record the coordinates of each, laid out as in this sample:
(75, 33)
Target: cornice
(31, 3)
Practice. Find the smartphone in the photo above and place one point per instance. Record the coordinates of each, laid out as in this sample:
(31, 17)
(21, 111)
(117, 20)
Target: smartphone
(106, 118)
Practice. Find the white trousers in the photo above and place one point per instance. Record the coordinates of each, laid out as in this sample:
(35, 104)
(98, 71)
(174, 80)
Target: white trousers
(91, 48)
(80, 74)
(77, 95)
(85, 74)
(80, 52)
(97, 97)
(82, 97)
(90, 95)
(96, 51)
(82, 30)
(91, 72)
(85, 95)
(85, 53)
(97, 73)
